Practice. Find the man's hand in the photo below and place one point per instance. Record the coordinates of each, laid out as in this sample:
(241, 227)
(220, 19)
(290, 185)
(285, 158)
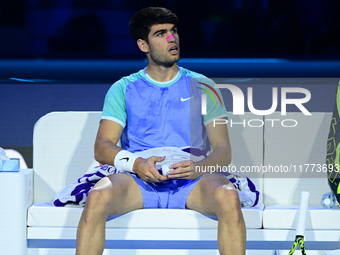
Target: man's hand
(146, 170)
(184, 170)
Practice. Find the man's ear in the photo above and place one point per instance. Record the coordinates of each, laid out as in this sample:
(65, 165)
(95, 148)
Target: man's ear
(143, 45)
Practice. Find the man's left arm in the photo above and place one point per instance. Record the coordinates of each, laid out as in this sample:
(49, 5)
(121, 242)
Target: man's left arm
(221, 155)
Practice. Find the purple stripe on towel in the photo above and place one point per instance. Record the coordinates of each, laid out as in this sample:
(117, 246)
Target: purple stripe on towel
(252, 188)
(196, 152)
(81, 187)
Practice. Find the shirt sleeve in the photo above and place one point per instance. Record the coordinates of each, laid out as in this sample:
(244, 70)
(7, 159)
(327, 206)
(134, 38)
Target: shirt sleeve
(215, 102)
(114, 104)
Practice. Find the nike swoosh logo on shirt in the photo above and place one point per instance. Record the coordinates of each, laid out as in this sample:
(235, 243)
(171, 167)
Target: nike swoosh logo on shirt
(185, 99)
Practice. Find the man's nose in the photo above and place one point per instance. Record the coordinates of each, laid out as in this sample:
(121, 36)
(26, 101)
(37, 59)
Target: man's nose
(170, 37)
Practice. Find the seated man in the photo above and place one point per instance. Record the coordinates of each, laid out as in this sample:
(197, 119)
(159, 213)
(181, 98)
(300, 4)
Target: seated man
(150, 109)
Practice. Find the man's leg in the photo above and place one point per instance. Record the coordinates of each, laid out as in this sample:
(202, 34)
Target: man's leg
(215, 195)
(112, 195)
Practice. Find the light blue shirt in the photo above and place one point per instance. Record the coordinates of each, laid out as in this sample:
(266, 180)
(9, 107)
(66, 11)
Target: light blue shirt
(157, 114)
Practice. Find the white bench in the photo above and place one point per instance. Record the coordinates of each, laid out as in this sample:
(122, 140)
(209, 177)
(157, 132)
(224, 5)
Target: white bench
(63, 151)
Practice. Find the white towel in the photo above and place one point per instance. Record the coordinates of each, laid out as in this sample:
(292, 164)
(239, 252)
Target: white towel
(76, 193)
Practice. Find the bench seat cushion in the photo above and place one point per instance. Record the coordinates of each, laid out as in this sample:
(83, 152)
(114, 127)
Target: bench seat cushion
(46, 215)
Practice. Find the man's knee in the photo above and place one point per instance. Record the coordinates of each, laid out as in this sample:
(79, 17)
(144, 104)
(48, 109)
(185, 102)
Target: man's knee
(116, 194)
(96, 204)
(228, 202)
(100, 196)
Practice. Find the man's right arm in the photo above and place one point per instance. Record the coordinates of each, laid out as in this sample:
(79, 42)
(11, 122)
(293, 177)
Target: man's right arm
(106, 149)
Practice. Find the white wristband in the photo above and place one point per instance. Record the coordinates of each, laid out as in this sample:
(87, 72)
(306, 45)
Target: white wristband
(124, 160)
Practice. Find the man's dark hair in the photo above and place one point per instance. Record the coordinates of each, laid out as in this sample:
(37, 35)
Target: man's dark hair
(141, 22)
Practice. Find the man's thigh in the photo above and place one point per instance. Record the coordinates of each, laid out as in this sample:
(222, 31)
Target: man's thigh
(202, 197)
(120, 192)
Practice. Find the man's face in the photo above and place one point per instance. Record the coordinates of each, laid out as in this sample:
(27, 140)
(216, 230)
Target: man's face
(163, 44)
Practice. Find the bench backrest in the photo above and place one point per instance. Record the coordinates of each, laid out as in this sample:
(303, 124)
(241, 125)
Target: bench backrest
(299, 154)
(63, 145)
(62, 150)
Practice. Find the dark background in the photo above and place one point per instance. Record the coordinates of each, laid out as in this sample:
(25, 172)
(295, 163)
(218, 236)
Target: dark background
(63, 55)
(67, 29)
